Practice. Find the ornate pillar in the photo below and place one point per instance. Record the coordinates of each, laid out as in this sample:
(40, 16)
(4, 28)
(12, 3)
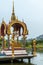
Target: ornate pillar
(13, 36)
(12, 46)
(24, 40)
(17, 34)
(2, 42)
(12, 49)
(17, 39)
(8, 42)
(34, 47)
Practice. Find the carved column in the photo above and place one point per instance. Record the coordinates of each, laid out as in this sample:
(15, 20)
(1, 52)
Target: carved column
(34, 47)
(2, 42)
(8, 42)
(24, 40)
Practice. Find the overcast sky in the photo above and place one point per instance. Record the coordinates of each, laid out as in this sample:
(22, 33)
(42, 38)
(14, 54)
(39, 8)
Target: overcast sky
(31, 11)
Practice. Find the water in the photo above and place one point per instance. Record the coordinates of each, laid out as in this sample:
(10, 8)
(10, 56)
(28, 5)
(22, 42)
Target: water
(38, 60)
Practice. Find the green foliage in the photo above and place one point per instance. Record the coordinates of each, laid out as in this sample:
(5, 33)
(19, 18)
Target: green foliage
(39, 41)
(27, 43)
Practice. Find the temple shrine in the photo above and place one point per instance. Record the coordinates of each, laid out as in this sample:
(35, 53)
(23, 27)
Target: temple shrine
(5, 29)
(17, 25)
(14, 48)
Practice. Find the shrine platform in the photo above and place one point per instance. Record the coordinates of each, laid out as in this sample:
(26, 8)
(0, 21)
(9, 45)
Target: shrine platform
(6, 58)
(19, 53)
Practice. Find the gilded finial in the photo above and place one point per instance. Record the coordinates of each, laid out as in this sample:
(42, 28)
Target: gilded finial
(13, 14)
(13, 8)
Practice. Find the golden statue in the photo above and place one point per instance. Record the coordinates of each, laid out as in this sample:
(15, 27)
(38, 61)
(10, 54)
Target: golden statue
(34, 47)
(12, 46)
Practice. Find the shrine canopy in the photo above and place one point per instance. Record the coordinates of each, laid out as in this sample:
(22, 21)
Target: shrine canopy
(17, 24)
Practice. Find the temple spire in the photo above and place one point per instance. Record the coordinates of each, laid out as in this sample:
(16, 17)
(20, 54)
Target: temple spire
(13, 8)
(13, 14)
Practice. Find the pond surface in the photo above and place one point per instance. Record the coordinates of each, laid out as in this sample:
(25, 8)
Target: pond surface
(38, 60)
